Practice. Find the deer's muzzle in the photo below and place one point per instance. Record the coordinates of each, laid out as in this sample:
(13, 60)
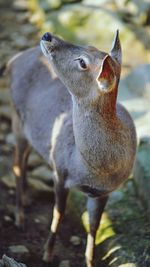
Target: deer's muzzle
(47, 37)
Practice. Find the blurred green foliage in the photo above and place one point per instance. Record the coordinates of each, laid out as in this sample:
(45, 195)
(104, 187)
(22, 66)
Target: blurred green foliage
(94, 22)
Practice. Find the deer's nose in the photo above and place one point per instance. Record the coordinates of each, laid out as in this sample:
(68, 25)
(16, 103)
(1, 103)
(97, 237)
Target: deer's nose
(47, 37)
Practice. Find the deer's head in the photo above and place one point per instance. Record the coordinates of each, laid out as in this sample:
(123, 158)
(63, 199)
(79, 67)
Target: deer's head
(87, 72)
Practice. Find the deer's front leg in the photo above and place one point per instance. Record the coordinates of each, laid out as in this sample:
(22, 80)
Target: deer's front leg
(61, 194)
(95, 208)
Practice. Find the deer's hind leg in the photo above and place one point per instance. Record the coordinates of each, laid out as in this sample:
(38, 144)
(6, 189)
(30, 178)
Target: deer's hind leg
(21, 153)
(61, 194)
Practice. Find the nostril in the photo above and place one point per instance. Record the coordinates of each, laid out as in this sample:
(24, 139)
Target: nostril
(47, 37)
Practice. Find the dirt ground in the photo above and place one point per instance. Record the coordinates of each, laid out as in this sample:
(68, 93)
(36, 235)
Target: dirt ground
(35, 234)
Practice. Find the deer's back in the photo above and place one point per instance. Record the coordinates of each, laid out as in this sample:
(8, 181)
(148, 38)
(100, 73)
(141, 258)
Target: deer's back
(39, 97)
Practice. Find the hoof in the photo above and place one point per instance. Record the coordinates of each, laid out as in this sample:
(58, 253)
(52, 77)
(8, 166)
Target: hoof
(89, 263)
(48, 257)
(49, 248)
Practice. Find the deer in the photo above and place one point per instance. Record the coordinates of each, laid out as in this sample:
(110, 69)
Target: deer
(65, 106)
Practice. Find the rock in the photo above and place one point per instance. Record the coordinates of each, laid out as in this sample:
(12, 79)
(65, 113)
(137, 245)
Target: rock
(40, 186)
(9, 180)
(4, 96)
(43, 173)
(138, 107)
(37, 221)
(75, 240)
(20, 5)
(41, 219)
(9, 262)
(19, 251)
(10, 139)
(138, 81)
(64, 263)
(4, 126)
(3, 80)
(5, 111)
(34, 160)
(6, 149)
(142, 174)
(7, 218)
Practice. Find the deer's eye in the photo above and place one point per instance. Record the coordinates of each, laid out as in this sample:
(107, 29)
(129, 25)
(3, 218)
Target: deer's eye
(82, 63)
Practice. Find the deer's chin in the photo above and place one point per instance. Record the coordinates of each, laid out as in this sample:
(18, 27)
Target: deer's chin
(47, 49)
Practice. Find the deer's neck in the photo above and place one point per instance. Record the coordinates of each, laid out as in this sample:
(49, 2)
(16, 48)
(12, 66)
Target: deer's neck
(91, 126)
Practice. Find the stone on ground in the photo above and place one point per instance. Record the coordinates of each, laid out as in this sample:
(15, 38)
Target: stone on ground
(5, 111)
(7, 219)
(75, 240)
(42, 172)
(4, 96)
(142, 174)
(138, 81)
(64, 263)
(9, 262)
(19, 252)
(9, 180)
(34, 160)
(37, 185)
(10, 139)
(136, 102)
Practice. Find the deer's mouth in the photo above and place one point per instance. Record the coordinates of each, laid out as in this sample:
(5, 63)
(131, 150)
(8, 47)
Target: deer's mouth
(47, 48)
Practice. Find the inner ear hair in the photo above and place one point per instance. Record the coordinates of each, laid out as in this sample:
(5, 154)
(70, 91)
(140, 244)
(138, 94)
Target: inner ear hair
(106, 75)
(106, 68)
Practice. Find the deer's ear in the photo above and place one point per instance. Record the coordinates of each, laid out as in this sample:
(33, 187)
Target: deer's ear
(116, 49)
(106, 77)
